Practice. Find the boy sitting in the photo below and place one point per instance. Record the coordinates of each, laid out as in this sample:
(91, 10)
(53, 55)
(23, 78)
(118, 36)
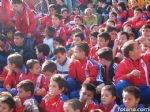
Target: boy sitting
(52, 101)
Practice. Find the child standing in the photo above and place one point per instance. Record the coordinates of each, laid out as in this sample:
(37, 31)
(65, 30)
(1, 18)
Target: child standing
(108, 97)
(52, 101)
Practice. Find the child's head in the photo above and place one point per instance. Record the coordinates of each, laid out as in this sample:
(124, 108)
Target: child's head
(94, 28)
(110, 22)
(7, 103)
(78, 38)
(87, 92)
(10, 32)
(128, 28)
(18, 39)
(134, 3)
(60, 53)
(42, 50)
(108, 94)
(131, 96)
(64, 12)
(72, 105)
(123, 37)
(57, 85)
(112, 32)
(58, 41)
(88, 12)
(146, 31)
(15, 61)
(105, 55)
(49, 68)
(76, 11)
(113, 15)
(93, 38)
(17, 5)
(33, 66)
(122, 6)
(81, 50)
(78, 20)
(115, 3)
(25, 89)
(52, 9)
(103, 39)
(138, 13)
(50, 31)
(56, 20)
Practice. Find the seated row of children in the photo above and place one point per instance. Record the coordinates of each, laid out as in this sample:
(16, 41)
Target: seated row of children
(25, 101)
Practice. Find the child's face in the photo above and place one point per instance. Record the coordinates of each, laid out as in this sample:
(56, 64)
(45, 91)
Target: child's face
(11, 66)
(127, 29)
(39, 54)
(18, 41)
(22, 93)
(76, 11)
(122, 39)
(5, 108)
(112, 16)
(93, 40)
(55, 21)
(76, 40)
(54, 88)
(48, 74)
(85, 95)
(113, 35)
(134, 3)
(77, 21)
(17, 7)
(65, 14)
(68, 108)
(60, 57)
(102, 42)
(106, 97)
(77, 53)
(56, 44)
(36, 69)
(129, 100)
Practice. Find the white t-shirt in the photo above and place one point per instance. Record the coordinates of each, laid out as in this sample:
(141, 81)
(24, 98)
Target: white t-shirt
(49, 42)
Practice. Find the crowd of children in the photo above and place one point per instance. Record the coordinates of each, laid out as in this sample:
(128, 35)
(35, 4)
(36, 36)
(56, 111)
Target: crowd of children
(75, 56)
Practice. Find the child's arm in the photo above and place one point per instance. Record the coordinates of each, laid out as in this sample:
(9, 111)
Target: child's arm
(40, 92)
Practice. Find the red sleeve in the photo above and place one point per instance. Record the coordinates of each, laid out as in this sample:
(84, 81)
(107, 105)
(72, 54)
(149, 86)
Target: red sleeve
(139, 24)
(120, 73)
(4, 73)
(63, 34)
(128, 22)
(43, 105)
(118, 25)
(17, 23)
(93, 73)
(72, 70)
(32, 20)
(8, 80)
(123, 14)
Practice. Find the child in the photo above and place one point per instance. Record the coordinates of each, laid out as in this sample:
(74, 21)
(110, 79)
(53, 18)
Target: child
(52, 101)
(76, 12)
(82, 69)
(58, 41)
(86, 97)
(25, 96)
(65, 15)
(108, 65)
(62, 61)
(108, 97)
(33, 74)
(59, 29)
(103, 40)
(15, 62)
(49, 37)
(49, 68)
(42, 52)
(93, 39)
(131, 99)
(7, 103)
(73, 105)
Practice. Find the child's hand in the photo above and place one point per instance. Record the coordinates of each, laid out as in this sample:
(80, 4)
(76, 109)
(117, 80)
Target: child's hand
(99, 87)
(18, 101)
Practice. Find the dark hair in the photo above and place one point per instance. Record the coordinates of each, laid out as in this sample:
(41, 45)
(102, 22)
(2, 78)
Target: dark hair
(138, 9)
(80, 35)
(60, 49)
(7, 100)
(76, 30)
(27, 86)
(16, 1)
(79, 17)
(111, 89)
(74, 104)
(103, 1)
(84, 47)
(110, 29)
(105, 53)
(127, 47)
(16, 59)
(43, 48)
(64, 10)
(58, 16)
(110, 20)
(89, 87)
(59, 40)
(114, 13)
(94, 34)
(105, 36)
(124, 33)
(135, 91)
(49, 65)
(122, 5)
(59, 80)
(50, 31)
(92, 26)
(18, 34)
(30, 63)
(147, 26)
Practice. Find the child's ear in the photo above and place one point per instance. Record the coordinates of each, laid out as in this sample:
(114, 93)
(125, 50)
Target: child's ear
(114, 98)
